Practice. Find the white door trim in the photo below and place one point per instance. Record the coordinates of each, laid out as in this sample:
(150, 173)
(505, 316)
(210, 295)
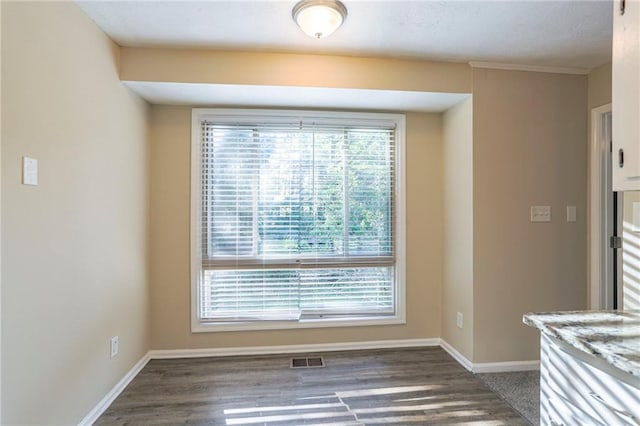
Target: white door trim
(597, 220)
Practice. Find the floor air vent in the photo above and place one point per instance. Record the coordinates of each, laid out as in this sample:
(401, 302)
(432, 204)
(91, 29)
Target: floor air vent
(310, 362)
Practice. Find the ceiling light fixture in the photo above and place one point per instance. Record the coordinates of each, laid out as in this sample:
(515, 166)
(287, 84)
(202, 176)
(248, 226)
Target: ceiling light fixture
(319, 18)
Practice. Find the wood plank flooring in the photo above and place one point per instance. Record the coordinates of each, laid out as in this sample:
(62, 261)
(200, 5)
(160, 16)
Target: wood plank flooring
(383, 387)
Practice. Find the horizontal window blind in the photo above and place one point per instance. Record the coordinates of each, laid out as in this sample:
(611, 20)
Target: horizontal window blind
(286, 294)
(297, 218)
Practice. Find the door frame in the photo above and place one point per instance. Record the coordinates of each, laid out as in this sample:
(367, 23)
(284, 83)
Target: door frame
(598, 238)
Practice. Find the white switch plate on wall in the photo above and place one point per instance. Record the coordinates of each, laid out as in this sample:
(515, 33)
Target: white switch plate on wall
(540, 213)
(114, 346)
(29, 171)
(459, 320)
(571, 213)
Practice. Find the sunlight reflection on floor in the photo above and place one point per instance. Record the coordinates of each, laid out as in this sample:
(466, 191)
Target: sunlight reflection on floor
(368, 406)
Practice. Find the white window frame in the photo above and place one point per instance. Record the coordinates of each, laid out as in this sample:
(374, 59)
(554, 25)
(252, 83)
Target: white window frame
(200, 114)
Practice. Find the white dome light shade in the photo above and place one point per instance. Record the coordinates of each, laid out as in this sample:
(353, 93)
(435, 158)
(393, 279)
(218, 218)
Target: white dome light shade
(319, 18)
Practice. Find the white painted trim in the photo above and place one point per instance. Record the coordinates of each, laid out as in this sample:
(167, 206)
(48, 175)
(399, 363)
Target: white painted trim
(503, 367)
(456, 355)
(596, 218)
(294, 116)
(105, 402)
(292, 349)
(489, 367)
(194, 242)
(298, 324)
(401, 219)
(1, 244)
(532, 68)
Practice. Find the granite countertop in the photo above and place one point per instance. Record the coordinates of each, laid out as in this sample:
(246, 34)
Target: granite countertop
(613, 336)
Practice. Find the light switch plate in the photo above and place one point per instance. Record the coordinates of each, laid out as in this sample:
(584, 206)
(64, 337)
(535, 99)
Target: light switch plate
(540, 213)
(114, 346)
(571, 213)
(29, 171)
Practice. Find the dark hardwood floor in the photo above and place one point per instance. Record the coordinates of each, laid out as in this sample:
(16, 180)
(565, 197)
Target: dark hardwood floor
(400, 386)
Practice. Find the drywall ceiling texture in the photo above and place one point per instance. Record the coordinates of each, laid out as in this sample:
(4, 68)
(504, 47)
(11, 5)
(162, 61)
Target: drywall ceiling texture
(457, 284)
(74, 247)
(549, 33)
(170, 277)
(241, 95)
(529, 149)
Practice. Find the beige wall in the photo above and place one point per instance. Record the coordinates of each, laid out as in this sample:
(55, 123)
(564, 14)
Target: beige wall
(529, 149)
(280, 69)
(75, 247)
(170, 305)
(599, 86)
(457, 285)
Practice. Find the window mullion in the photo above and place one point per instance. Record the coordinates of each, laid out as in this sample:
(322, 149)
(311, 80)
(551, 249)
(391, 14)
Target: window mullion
(345, 191)
(314, 188)
(256, 191)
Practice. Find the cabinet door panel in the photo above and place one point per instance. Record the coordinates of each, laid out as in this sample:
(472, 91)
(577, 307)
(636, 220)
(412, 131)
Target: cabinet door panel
(564, 413)
(576, 389)
(626, 95)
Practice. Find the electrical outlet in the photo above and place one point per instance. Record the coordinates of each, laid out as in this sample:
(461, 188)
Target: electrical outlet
(114, 346)
(459, 319)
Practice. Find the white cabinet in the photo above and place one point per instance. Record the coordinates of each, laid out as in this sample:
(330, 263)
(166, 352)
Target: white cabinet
(576, 390)
(626, 95)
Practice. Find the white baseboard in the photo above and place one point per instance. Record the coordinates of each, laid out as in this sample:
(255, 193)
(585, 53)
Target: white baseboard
(105, 402)
(456, 355)
(489, 367)
(291, 349)
(504, 367)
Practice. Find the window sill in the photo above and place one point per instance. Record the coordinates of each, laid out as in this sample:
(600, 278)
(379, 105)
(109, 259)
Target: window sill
(207, 327)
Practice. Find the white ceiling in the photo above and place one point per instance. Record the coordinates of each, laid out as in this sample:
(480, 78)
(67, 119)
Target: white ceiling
(556, 33)
(292, 97)
(573, 35)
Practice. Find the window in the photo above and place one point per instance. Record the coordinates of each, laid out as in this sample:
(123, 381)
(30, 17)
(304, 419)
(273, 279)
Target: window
(297, 219)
